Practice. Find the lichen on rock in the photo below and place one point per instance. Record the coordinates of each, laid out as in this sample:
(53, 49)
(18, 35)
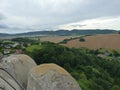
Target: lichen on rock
(51, 77)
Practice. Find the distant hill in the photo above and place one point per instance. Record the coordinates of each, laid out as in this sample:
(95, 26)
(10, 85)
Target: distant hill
(4, 35)
(63, 32)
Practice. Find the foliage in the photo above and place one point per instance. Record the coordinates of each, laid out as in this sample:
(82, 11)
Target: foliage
(119, 32)
(82, 39)
(33, 47)
(66, 40)
(25, 40)
(115, 87)
(91, 72)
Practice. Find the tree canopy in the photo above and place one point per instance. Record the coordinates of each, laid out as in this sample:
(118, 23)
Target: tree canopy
(91, 72)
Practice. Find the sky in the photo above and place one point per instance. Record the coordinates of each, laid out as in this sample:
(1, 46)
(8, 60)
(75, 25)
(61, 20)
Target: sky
(17, 16)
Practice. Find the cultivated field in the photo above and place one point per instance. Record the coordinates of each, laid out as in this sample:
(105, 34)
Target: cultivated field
(110, 41)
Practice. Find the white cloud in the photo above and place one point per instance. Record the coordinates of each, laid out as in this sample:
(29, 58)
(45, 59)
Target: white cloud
(98, 23)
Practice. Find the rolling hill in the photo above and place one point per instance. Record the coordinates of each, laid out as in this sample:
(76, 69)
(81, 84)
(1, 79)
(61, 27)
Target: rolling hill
(62, 33)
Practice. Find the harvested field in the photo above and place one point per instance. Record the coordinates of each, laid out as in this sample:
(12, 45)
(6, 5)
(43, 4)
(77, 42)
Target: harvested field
(109, 41)
(55, 39)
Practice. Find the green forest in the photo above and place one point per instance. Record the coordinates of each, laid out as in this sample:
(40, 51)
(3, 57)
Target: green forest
(91, 72)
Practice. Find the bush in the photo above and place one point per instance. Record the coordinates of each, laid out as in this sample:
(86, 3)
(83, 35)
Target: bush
(82, 40)
(119, 32)
(63, 42)
(67, 40)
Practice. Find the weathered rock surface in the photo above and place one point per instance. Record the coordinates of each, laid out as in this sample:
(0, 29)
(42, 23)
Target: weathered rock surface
(50, 77)
(18, 66)
(7, 82)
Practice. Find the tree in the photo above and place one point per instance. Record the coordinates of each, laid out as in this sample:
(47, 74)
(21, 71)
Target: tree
(91, 72)
(115, 87)
(116, 53)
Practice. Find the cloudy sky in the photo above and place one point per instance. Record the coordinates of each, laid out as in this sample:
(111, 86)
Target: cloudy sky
(18, 16)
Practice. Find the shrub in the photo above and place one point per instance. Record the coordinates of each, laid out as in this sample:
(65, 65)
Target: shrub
(119, 32)
(82, 40)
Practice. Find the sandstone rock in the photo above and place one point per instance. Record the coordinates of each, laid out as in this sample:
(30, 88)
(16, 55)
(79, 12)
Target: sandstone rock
(50, 77)
(19, 66)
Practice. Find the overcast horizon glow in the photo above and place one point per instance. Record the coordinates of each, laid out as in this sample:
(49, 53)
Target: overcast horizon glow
(17, 16)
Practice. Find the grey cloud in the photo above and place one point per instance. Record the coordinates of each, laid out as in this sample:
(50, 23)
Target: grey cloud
(97, 8)
(2, 16)
(3, 26)
(58, 12)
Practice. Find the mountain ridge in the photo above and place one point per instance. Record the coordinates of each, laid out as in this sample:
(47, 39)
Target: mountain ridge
(63, 32)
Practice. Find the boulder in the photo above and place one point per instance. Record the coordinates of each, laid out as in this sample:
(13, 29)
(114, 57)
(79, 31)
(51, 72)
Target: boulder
(51, 77)
(19, 66)
(7, 82)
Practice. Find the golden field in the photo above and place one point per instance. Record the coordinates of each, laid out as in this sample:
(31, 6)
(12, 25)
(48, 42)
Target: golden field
(110, 41)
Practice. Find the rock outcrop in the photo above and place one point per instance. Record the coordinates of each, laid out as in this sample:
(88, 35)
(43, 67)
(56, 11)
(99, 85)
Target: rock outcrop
(7, 82)
(20, 72)
(51, 77)
(19, 66)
